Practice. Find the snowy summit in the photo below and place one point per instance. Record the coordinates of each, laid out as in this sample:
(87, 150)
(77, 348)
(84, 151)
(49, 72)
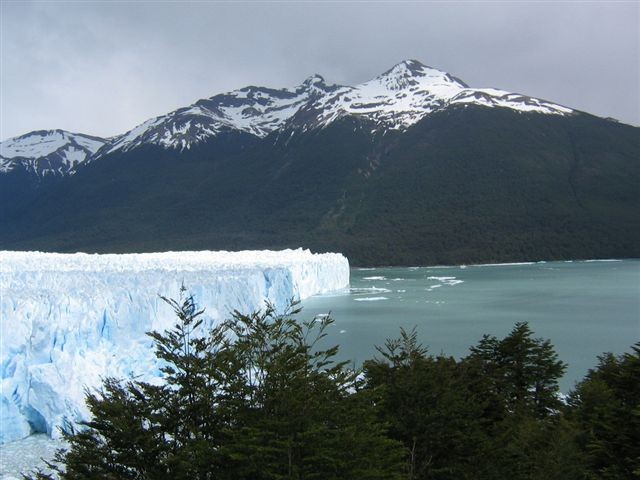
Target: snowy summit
(48, 152)
(394, 100)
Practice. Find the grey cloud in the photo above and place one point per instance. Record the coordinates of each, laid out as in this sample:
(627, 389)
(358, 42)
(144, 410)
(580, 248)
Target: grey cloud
(103, 67)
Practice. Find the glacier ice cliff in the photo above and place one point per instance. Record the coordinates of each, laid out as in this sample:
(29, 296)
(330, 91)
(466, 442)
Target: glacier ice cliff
(68, 320)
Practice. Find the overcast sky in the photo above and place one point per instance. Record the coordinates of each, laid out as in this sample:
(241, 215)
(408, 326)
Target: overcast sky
(103, 67)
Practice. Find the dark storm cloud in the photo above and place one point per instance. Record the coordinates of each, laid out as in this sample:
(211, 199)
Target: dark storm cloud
(103, 67)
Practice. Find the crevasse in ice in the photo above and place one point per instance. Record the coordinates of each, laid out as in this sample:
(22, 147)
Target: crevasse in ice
(68, 320)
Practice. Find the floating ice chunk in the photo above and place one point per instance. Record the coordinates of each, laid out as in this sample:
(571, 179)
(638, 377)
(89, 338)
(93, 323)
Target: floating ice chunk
(451, 281)
(27, 455)
(365, 290)
(512, 264)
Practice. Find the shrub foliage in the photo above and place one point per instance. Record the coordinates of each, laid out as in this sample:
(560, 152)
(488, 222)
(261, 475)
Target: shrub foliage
(261, 397)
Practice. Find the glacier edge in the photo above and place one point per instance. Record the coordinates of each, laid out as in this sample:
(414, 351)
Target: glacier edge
(68, 320)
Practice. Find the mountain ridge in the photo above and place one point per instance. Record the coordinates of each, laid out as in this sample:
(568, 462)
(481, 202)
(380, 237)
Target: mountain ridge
(395, 100)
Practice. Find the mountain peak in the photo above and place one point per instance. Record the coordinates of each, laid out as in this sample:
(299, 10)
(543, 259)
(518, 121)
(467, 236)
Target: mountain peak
(314, 79)
(55, 151)
(411, 65)
(41, 133)
(412, 72)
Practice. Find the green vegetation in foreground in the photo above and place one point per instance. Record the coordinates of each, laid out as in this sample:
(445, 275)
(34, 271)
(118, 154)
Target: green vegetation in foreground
(259, 398)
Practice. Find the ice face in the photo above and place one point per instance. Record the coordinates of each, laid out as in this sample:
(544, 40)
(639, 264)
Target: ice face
(68, 320)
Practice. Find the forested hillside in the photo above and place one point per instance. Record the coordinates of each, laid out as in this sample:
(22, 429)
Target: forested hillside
(463, 185)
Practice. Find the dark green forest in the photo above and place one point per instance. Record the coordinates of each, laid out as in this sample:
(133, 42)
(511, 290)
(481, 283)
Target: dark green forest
(261, 396)
(466, 185)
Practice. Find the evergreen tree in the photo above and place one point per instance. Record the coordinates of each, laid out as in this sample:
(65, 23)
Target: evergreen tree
(517, 377)
(605, 406)
(260, 397)
(492, 415)
(256, 398)
(428, 407)
(523, 371)
(306, 415)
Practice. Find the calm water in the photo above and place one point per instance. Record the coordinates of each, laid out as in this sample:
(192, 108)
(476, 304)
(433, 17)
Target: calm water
(584, 308)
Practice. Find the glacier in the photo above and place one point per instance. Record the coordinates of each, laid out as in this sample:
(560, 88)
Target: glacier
(69, 320)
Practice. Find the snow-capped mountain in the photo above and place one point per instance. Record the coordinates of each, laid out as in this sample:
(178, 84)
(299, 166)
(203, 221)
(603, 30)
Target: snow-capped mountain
(411, 167)
(394, 100)
(409, 91)
(254, 110)
(48, 152)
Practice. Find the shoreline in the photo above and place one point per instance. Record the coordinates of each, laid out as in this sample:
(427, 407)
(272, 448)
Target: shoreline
(505, 264)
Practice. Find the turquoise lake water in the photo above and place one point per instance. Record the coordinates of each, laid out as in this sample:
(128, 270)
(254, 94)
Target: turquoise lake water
(584, 307)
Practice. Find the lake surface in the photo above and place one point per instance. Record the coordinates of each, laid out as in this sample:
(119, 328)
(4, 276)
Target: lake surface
(585, 308)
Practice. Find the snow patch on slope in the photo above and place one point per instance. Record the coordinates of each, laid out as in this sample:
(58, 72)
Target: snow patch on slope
(254, 110)
(48, 152)
(69, 319)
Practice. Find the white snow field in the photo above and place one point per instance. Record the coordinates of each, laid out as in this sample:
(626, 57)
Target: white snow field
(48, 152)
(67, 320)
